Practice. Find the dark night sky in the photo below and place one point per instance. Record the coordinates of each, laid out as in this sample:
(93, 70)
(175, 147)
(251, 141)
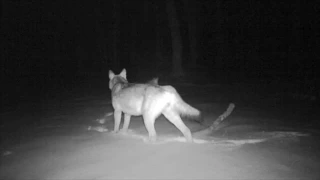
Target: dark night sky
(46, 38)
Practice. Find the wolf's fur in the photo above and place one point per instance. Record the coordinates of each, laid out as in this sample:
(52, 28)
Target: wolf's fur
(149, 100)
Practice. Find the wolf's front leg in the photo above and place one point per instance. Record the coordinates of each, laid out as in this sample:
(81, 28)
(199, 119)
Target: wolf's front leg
(126, 122)
(117, 120)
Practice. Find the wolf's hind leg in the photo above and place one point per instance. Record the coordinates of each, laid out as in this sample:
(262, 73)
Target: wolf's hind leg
(117, 120)
(149, 123)
(126, 122)
(175, 119)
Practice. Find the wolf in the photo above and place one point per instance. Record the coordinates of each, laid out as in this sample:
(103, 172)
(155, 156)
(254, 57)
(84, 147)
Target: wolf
(148, 100)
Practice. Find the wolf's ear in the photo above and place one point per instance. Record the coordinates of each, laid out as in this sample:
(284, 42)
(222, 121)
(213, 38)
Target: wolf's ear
(111, 74)
(123, 73)
(154, 81)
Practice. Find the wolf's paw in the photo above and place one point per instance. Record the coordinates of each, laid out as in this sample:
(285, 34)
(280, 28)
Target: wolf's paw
(123, 131)
(150, 141)
(114, 132)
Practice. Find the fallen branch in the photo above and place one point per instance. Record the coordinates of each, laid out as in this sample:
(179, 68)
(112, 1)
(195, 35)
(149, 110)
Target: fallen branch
(216, 123)
(222, 117)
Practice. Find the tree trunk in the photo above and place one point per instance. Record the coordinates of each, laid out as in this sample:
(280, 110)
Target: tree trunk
(220, 41)
(190, 7)
(101, 37)
(158, 40)
(81, 58)
(116, 22)
(294, 47)
(133, 44)
(176, 39)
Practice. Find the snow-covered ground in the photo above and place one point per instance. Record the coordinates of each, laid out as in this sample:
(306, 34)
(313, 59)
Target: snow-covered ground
(253, 143)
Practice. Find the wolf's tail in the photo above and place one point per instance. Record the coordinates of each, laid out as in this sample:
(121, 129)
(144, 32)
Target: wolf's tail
(186, 110)
(182, 107)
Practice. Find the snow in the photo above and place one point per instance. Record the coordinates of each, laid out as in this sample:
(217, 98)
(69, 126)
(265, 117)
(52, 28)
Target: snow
(60, 146)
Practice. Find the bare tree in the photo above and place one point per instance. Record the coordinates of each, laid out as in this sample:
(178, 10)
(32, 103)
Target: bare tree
(174, 25)
(116, 22)
(190, 7)
(133, 44)
(101, 36)
(82, 56)
(158, 38)
(219, 39)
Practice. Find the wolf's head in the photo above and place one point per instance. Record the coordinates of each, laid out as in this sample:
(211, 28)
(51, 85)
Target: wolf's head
(117, 79)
